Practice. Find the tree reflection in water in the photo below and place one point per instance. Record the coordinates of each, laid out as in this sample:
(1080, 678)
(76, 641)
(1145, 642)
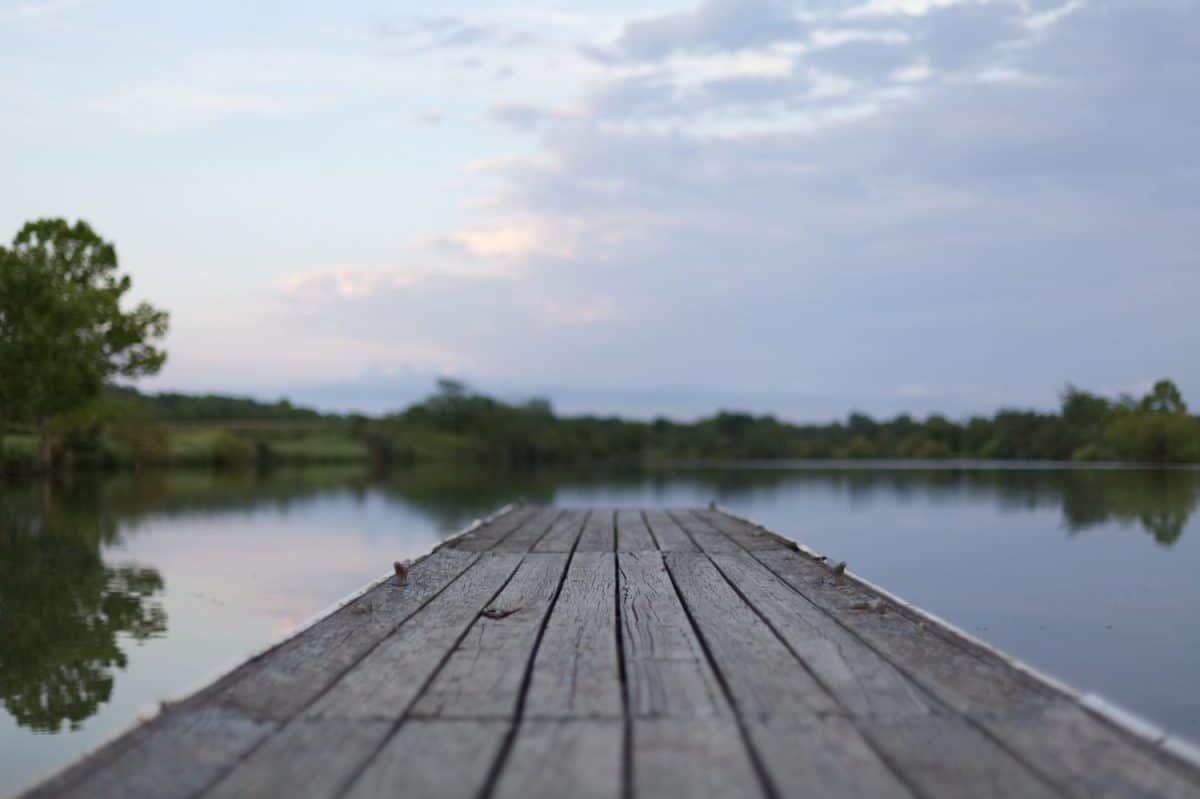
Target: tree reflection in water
(63, 609)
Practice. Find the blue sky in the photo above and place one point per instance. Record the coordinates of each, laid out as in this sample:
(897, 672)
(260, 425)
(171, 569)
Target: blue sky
(631, 207)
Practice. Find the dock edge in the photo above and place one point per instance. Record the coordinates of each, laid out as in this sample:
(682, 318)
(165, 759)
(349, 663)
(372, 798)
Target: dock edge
(1126, 720)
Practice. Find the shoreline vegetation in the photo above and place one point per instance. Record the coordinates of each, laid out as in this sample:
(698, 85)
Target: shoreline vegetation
(68, 337)
(128, 430)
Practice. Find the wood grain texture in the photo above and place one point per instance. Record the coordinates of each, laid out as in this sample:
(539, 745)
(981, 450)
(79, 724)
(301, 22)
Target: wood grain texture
(576, 672)
(492, 533)
(179, 754)
(533, 527)
(632, 533)
(666, 669)
(432, 759)
(730, 664)
(746, 535)
(286, 679)
(667, 533)
(553, 759)
(484, 673)
(696, 758)
(312, 761)
(564, 533)
(597, 533)
(896, 716)
(862, 681)
(386, 681)
(763, 676)
(823, 757)
(704, 535)
(1067, 746)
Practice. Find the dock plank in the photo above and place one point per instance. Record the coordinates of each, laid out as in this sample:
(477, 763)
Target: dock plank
(598, 532)
(667, 533)
(570, 757)
(745, 535)
(286, 679)
(693, 758)
(204, 736)
(807, 745)
(530, 531)
(312, 760)
(484, 673)
(896, 716)
(704, 536)
(628, 654)
(432, 759)
(685, 740)
(489, 535)
(370, 689)
(632, 533)
(576, 671)
(180, 753)
(666, 669)
(563, 534)
(1068, 747)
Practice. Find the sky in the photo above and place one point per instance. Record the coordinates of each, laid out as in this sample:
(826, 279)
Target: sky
(640, 208)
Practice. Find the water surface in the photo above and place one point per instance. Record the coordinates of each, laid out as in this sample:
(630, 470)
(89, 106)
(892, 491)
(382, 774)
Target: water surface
(117, 593)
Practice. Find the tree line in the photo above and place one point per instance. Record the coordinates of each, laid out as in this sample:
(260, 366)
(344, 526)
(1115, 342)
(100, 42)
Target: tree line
(66, 339)
(1155, 428)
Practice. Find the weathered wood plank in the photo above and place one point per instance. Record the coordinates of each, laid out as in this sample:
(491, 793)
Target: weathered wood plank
(794, 723)
(1063, 743)
(941, 754)
(665, 666)
(576, 672)
(178, 754)
(483, 675)
(198, 740)
(894, 714)
(551, 759)
(861, 680)
(1089, 757)
(564, 533)
(313, 760)
(763, 676)
(371, 688)
(693, 758)
(492, 533)
(703, 534)
(748, 536)
(286, 679)
(523, 538)
(432, 760)
(823, 757)
(632, 533)
(597, 533)
(669, 535)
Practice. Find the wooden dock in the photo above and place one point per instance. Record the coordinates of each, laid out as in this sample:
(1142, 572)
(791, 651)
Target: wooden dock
(617, 654)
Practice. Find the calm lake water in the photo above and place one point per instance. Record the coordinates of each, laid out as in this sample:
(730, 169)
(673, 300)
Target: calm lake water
(120, 592)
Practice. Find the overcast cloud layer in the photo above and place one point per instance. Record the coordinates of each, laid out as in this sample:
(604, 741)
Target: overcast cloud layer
(799, 207)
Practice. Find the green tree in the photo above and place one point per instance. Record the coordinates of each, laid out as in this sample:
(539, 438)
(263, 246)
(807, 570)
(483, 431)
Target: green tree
(1165, 397)
(63, 331)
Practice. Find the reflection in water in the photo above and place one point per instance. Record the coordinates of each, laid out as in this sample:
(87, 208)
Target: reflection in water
(62, 609)
(1159, 500)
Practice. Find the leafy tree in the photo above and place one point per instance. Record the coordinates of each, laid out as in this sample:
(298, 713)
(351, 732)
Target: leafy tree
(1165, 397)
(63, 332)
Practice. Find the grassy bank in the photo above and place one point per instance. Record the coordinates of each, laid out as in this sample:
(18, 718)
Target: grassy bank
(128, 430)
